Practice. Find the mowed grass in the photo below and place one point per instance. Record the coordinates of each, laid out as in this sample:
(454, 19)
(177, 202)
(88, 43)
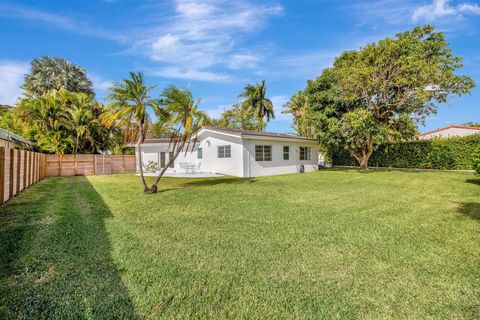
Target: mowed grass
(335, 244)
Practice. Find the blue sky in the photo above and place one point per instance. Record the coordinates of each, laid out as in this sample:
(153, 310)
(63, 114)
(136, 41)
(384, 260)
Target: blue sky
(215, 47)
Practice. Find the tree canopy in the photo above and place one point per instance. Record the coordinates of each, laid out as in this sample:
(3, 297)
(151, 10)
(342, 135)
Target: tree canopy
(255, 99)
(54, 74)
(380, 92)
(240, 118)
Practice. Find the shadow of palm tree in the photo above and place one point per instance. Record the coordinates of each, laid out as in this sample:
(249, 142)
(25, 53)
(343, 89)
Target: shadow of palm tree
(55, 255)
(473, 181)
(470, 209)
(209, 182)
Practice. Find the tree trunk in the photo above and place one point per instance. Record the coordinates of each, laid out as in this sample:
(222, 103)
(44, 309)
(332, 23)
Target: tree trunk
(364, 156)
(146, 189)
(153, 188)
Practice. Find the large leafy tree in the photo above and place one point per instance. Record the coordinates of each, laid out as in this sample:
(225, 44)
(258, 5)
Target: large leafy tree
(378, 93)
(131, 103)
(255, 99)
(8, 120)
(55, 73)
(241, 118)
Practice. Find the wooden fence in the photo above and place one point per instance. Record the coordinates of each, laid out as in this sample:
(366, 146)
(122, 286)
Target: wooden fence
(89, 164)
(19, 169)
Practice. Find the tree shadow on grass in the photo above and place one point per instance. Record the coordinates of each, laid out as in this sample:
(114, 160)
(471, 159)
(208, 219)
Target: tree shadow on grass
(470, 209)
(55, 255)
(473, 181)
(209, 182)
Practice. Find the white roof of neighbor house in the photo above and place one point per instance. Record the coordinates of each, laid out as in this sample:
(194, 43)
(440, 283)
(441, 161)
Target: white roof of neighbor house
(473, 128)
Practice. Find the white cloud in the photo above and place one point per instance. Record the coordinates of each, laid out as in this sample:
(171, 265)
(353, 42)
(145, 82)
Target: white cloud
(278, 102)
(194, 9)
(217, 112)
(204, 34)
(18, 12)
(189, 74)
(11, 78)
(100, 83)
(440, 9)
(241, 60)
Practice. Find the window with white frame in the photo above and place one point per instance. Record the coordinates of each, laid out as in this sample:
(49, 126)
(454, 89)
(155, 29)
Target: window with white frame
(224, 151)
(286, 153)
(305, 153)
(199, 153)
(263, 153)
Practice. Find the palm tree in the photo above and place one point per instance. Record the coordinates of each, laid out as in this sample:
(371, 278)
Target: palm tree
(255, 99)
(184, 118)
(56, 73)
(80, 118)
(131, 101)
(298, 107)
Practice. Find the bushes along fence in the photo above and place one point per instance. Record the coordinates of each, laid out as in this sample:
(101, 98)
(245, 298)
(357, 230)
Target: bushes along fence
(446, 153)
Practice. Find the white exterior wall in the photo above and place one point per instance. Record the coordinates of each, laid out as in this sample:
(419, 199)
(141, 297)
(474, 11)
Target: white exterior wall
(449, 133)
(209, 142)
(242, 161)
(210, 162)
(278, 165)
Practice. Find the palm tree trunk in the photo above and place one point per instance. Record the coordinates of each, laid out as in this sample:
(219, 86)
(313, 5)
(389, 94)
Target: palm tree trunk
(76, 144)
(140, 166)
(153, 188)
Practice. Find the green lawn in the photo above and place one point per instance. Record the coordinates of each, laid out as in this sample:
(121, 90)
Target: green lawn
(332, 244)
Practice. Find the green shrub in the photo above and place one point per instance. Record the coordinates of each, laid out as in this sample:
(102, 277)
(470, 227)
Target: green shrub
(447, 153)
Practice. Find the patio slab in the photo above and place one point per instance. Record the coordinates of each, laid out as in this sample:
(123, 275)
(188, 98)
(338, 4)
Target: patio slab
(184, 175)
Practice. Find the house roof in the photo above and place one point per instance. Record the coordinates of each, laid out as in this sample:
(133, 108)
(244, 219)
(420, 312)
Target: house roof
(449, 127)
(236, 132)
(8, 136)
(248, 133)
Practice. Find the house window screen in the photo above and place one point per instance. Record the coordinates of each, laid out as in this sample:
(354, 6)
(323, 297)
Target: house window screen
(305, 153)
(286, 153)
(263, 153)
(224, 151)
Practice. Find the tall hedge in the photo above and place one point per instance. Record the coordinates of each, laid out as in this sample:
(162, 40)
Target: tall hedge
(439, 153)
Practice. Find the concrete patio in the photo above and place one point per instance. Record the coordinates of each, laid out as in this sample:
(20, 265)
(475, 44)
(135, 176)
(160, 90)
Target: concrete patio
(183, 175)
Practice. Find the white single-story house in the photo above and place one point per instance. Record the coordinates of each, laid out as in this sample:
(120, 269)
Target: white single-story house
(240, 153)
(449, 132)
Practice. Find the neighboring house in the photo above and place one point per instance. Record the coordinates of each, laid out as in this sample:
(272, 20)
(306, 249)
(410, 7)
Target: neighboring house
(240, 153)
(11, 140)
(449, 132)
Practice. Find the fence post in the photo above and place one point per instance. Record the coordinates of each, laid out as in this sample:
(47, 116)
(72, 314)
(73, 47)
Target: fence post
(95, 164)
(60, 165)
(42, 166)
(112, 166)
(2, 175)
(103, 164)
(123, 163)
(19, 167)
(76, 165)
(37, 165)
(30, 163)
(24, 184)
(11, 173)
(34, 165)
